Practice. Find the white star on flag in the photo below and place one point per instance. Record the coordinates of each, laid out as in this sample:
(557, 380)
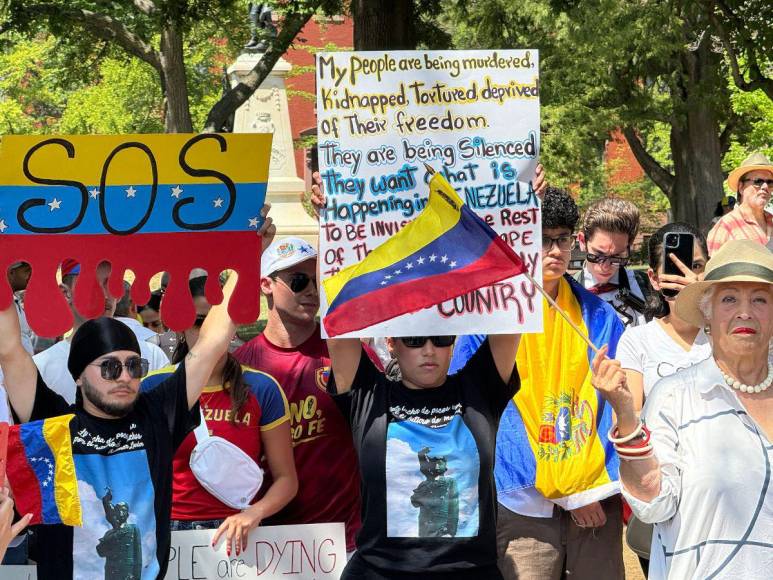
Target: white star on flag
(176, 191)
(131, 192)
(398, 272)
(54, 204)
(388, 277)
(432, 258)
(444, 259)
(218, 202)
(452, 264)
(408, 266)
(3, 226)
(94, 193)
(419, 260)
(254, 223)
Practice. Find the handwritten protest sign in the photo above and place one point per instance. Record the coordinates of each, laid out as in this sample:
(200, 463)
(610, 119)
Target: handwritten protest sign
(147, 203)
(474, 116)
(305, 551)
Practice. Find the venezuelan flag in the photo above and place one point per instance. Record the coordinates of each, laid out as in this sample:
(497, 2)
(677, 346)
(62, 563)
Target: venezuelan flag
(553, 435)
(445, 252)
(41, 471)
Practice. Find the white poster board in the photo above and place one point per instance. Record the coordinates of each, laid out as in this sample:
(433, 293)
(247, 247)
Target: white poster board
(304, 551)
(474, 115)
(19, 572)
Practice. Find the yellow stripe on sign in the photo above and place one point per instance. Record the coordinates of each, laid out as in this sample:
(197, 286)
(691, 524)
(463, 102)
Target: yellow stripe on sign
(83, 158)
(57, 434)
(441, 214)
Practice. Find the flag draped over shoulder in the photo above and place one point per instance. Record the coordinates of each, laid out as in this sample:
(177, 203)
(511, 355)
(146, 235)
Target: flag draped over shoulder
(445, 252)
(41, 471)
(554, 436)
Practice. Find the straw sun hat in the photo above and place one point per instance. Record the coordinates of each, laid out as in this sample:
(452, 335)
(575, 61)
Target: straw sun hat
(735, 261)
(753, 162)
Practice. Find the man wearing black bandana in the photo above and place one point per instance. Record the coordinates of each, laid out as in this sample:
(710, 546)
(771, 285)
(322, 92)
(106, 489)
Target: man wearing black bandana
(122, 439)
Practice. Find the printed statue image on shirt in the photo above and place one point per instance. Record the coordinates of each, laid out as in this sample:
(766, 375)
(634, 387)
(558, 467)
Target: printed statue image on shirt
(431, 477)
(120, 546)
(436, 497)
(118, 537)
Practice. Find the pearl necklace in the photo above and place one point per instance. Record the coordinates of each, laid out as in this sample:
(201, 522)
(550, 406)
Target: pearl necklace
(736, 384)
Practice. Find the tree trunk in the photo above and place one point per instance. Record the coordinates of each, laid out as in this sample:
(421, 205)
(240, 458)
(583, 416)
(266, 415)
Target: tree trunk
(696, 146)
(383, 24)
(178, 113)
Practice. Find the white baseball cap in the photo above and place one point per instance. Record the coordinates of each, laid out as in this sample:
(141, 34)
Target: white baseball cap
(284, 254)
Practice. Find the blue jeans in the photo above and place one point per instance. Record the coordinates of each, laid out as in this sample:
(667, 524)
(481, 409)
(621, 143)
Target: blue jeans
(183, 525)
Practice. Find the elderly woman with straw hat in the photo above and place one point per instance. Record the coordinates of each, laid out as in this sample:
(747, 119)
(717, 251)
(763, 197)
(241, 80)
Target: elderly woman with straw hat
(697, 463)
(752, 182)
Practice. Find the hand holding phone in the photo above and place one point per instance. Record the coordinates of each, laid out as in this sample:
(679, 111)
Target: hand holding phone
(680, 245)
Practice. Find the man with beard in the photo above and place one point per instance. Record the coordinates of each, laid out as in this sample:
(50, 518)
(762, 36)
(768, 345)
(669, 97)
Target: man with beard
(121, 439)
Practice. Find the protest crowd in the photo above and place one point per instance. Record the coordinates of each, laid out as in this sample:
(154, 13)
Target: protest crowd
(641, 414)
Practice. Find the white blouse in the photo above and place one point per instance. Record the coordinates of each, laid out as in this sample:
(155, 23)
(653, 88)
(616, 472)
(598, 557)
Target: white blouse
(714, 513)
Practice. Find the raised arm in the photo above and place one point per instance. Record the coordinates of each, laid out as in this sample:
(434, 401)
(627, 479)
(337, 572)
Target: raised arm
(214, 338)
(504, 347)
(345, 356)
(19, 371)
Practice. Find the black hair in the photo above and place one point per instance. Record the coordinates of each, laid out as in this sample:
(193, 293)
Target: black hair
(233, 380)
(719, 211)
(559, 210)
(657, 307)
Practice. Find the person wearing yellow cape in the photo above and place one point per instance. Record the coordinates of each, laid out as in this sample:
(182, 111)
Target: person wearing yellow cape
(556, 472)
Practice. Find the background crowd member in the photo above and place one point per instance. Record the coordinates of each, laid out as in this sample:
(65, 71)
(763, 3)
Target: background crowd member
(150, 313)
(753, 182)
(724, 207)
(425, 444)
(578, 532)
(291, 350)
(132, 480)
(126, 312)
(608, 230)
(52, 362)
(697, 463)
(18, 277)
(246, 407)
(667, 343)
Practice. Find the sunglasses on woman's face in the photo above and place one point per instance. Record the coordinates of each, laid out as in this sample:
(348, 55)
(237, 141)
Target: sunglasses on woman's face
(111, 368)
(420, 341)
(298, 281)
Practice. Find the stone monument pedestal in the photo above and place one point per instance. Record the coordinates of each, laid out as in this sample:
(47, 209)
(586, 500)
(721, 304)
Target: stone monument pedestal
(266, 111)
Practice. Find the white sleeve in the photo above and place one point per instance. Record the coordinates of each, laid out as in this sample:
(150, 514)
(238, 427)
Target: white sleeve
(155, 355)
(629, 349)
(660, 417)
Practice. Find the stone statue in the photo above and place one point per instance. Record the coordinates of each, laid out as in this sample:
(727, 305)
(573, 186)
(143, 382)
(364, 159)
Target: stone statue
(260, 19)
(436, 497)
(121, 546)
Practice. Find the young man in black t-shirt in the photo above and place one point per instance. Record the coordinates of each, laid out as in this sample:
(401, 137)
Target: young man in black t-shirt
(123, 441)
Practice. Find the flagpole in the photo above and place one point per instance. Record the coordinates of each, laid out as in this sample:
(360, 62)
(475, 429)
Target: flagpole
(547, 296)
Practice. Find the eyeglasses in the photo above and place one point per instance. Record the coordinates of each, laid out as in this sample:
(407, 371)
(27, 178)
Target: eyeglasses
(759, 182)
(420, 341)
(298, 282)
(612, 260)
(564, 242)
(111, 368)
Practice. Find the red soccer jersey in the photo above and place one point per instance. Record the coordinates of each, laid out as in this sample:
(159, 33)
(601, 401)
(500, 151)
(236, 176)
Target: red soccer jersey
(264, 409)
(328, 480)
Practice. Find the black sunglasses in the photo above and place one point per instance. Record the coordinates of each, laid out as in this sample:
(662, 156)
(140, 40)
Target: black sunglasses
(420, 341)
(759, 182)
(299, 281)
(613, 260)
(111, 368)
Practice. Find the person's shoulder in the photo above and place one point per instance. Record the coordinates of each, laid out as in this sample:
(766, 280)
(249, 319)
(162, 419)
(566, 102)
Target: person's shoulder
(588, 299)
(683, 382)
(257, 378)
(155, 377)
(60, 349)
(638, 333)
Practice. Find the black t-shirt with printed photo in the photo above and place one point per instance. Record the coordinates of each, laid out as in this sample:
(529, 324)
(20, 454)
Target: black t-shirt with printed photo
(124, 472)
(426, 461)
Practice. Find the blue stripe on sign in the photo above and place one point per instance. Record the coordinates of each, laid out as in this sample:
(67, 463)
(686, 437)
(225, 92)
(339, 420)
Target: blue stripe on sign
(453, 250)
(126, 205)
(42, 461)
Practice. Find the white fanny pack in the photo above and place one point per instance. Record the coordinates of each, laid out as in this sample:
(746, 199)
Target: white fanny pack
(224, 470)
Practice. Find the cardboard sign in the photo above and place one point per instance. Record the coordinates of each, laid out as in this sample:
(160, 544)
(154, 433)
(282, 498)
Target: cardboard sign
(472, 115)
(304, 551)
(19, 572)
(148, 203)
